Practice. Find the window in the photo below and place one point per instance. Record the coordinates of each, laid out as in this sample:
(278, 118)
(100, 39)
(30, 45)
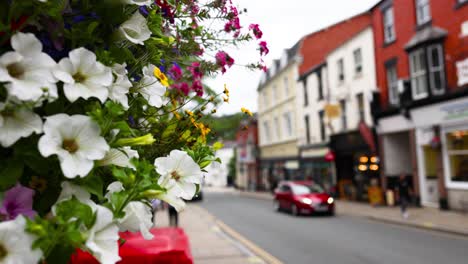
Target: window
(277, 129)
(306, 95)
(418, 74)
(392, 84)
(287, 123)
(320, 85)
(344, 123)
(457, 150)
(423, 11)
(360, 101)
(307, 127)
(286, 87)
(357, 61)
(340, 66)
(274, 96)
(389, 25)
(322, 125)
(427, 71)
(436, 69)
(266, 131)
(265, 98)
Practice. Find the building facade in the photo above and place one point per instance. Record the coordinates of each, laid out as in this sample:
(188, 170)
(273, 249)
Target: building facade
(217, 173)
(247, 157)
(421, 110)
(277, 119)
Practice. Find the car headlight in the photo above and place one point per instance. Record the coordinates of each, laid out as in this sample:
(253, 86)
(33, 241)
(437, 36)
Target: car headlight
(330, 200)
(306, 201)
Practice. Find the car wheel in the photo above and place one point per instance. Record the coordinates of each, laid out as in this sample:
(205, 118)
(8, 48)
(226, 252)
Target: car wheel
(294, 210)
(276, 205)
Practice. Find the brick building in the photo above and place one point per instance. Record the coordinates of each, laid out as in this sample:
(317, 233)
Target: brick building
(421, 50)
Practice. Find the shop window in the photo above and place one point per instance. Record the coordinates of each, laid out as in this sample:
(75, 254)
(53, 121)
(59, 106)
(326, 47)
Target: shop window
(457, 150)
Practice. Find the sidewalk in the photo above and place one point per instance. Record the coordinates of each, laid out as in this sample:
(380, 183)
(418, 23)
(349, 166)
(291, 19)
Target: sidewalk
(210, 240)
(427, 218)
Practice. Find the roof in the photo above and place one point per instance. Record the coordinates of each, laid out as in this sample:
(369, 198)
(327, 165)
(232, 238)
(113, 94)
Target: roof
(426, 35)
(317, 45)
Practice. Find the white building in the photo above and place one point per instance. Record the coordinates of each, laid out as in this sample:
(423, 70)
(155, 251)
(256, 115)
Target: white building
(218, 172)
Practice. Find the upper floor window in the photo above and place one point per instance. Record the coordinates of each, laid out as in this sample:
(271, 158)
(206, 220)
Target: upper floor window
(322, 125)
(277, 129)
(274, 95)
(344, 121)
(389, 25)
(286, 86)
(392, 84)
(320, 84)
(340, 65)
(357, 54)
(307, 128)
(288, 123)
(266, 131)
(423, 11)
(361, 107)
(265, 98)
(306, 94)
(427, 71)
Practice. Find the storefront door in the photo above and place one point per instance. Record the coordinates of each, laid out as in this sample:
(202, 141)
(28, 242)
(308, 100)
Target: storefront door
(428, 159)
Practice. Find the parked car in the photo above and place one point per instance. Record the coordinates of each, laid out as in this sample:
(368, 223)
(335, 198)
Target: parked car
(303, 197)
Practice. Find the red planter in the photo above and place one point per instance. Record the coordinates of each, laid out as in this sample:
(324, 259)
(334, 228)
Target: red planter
(169, 246)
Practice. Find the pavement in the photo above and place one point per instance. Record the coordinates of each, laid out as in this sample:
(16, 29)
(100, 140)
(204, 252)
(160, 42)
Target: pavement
(424, 217)
(212, 241)
(345, 238)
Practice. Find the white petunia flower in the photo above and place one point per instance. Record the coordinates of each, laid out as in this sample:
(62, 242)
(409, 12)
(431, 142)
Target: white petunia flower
(119, 157)
(151, 89)
(119, 89)
(83, 76)
(138, 217)
(179, 173)
(135, 29)
(16, 244)
(172, 197)
(27, 70)
(75, 140)
(138, 2)
(16, 123)
(103, 237)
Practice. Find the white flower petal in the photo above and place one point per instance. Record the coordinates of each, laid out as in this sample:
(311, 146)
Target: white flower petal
(64, 71)
(135, 29)
(18, 243)
(26, 43)
(119, 157)
(72, 165)
(189, 190)
(138, 217)
(20, 123)
(173, 200)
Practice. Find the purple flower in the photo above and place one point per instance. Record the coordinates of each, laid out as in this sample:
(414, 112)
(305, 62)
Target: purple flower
(18, 201)
(144, 11)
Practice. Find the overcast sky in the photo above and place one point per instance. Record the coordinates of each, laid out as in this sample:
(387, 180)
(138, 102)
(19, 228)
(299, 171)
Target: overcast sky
(283, 23)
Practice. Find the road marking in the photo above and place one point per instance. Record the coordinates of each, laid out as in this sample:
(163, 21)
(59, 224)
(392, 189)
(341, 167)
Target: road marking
(245, 242)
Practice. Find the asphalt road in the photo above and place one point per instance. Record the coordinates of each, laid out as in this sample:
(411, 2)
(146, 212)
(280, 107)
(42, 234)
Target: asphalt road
(334, 240)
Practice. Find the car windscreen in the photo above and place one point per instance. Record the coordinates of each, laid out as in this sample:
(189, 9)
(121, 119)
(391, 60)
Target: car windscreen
(300, 189)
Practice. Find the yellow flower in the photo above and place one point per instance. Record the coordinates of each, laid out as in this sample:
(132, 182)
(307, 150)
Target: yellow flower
(246, 111)
(188, 112)
(226, 91)
(226, 99)
(213, 111)
(161, 76)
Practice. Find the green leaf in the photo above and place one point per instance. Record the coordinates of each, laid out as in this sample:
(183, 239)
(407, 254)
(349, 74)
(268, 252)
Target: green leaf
(93, 184)
(73, 208)
(217, 145)
(10, 173)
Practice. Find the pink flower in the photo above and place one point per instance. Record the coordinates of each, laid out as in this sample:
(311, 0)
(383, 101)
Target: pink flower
(18, 201)
(197, 87)
(263, 48)
(195, 70)
(223, 59)
(256, 30)
(175, 72)
(183, 87)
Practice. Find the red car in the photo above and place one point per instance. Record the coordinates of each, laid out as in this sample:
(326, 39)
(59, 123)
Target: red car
(303, 197)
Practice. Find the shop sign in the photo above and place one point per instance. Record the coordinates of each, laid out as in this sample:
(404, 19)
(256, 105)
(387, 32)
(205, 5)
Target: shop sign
(455, 111)
(332, 111)
(291, 165)
(330, 156)
(462, 72)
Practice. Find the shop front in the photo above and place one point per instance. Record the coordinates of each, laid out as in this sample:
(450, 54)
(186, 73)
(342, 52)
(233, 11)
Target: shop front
(357, 166)
(275, 170)
(315, 166)
(442, 151)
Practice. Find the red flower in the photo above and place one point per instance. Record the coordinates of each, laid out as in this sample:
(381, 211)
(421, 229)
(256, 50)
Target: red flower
(195, 70)
(256, 30)
(263, 48)
(223, 59)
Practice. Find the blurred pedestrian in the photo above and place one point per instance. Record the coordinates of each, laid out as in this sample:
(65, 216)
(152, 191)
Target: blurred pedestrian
(173, 216)
(404, 194)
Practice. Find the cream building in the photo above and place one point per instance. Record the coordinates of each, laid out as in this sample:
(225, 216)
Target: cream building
(277, 119)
